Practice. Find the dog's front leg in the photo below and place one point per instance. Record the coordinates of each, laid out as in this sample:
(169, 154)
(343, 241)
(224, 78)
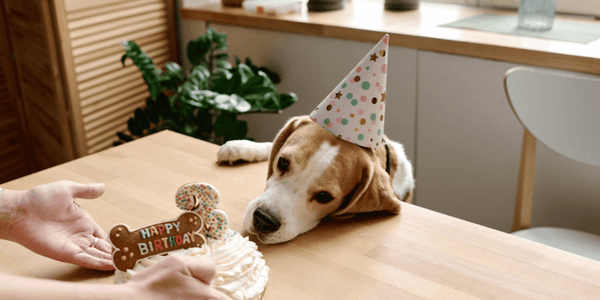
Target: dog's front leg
(244, 150)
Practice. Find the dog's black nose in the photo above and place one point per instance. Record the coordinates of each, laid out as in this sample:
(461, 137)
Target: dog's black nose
(264, 221)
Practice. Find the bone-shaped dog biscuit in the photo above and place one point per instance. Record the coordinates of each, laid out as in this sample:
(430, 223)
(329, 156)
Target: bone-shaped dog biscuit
(131, 246)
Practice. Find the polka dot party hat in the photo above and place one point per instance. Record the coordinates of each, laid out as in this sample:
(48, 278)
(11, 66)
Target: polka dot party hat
(355, 109)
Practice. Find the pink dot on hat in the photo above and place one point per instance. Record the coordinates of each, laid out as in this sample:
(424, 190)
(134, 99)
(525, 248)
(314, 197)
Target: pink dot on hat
(363, 98)
(373, 122)
(384, 68)
(381, 89)
(338, 110)
(358, 69)
(330, 125)
(332, 103)
(386, 39)
(374, 74)
(381, 107)
(339, 120)
(331, 96)
(351, 79)
(361, 112)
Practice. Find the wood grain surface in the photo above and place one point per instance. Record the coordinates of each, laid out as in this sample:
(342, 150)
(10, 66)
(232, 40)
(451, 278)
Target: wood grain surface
(367, 21)
(419, 254)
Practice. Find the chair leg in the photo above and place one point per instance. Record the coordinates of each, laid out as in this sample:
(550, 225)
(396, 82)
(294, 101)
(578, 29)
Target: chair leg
(524, 199)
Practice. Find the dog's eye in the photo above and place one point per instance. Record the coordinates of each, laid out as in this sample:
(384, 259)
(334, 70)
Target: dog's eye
(323, 197)
(283, 164)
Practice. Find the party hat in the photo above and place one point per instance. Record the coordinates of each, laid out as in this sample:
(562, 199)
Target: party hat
(355, 109)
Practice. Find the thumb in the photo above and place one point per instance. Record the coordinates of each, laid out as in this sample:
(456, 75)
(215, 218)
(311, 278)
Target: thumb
(85, 190)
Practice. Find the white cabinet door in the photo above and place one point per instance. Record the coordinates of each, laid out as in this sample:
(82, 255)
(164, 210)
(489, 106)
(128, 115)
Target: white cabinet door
(468, 140)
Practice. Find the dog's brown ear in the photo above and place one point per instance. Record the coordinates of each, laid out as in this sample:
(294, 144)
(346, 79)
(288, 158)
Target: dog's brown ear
(285, 132)
(373, 193)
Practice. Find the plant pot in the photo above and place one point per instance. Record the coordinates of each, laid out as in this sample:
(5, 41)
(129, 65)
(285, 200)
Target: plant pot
(325, 5)
(232, 3)
(401, 5)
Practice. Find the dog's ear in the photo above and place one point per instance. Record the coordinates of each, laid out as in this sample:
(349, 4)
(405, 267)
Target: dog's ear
(374, 192)
(285, 132)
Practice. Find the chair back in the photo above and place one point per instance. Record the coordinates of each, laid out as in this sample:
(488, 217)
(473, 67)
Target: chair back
(560, 110)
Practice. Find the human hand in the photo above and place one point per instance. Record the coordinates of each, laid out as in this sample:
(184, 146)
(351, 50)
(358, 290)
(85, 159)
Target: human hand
(50, 223)
(176, 277)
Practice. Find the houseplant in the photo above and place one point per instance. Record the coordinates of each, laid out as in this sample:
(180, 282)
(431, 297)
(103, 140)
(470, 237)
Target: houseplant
(205, 102)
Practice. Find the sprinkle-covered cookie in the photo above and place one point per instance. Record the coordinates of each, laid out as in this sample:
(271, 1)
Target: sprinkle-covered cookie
(203, 199)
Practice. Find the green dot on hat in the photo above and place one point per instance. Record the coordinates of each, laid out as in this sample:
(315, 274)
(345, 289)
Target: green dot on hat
(344, 85)
(344, 122)
(326, 121)
(349, 96)
(354, 102)
(365, 85)
(373, 116)
(361, 137)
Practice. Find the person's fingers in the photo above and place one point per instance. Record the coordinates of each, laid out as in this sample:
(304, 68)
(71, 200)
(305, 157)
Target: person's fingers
(85, 190)
(91, 262)
(97, 230)
(98, 253)
(104, 246)
(201, 268)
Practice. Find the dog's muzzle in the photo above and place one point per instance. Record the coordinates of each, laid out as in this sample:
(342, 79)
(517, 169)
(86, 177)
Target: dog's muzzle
(265, 221)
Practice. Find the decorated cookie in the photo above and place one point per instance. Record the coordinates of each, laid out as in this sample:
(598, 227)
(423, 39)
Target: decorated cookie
(130, 246)
(203, 199)
(216, 224)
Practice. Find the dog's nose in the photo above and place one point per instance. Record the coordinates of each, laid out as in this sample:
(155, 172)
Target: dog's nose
(264, 221)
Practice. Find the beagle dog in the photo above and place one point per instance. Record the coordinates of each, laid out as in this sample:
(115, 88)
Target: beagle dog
(313, 174)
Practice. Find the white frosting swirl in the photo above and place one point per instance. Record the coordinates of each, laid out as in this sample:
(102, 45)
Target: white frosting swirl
(241, 271)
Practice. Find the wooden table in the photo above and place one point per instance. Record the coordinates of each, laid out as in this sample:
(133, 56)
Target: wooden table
(419, 254)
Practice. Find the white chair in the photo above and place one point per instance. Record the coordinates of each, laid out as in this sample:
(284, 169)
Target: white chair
(562, 112)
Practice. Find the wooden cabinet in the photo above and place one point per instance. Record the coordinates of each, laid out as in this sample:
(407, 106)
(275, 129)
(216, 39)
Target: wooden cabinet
(13, 142)
(73, 92)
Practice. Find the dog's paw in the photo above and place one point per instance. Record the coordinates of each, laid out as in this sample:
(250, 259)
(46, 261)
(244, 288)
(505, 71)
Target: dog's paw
(243, 150)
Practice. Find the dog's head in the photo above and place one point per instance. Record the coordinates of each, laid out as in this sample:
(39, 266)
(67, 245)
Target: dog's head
(313, 174)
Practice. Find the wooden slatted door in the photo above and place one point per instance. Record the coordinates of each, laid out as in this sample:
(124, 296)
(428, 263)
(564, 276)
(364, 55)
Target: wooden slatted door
(103, 94)
(13, 141)
(40, 82)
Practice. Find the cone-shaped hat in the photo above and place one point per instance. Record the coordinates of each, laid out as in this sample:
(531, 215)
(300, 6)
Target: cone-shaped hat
(355, 109)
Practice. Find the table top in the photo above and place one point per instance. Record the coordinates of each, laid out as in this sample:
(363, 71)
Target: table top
(419, 254)
(367, 21)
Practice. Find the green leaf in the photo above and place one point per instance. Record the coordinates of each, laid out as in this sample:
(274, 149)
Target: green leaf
(223, 64)
(229, 127)
(232, 103)
(198, 49)
(146, 66)
(124, 137)
(272, 75)
(221, 40)
(174, 70)
(134, 128)
(222, 56)
(245, 73)
(141, 119)
(287, 99)
(152, 111)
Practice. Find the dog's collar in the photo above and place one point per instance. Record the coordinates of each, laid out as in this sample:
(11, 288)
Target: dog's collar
(388, 167)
